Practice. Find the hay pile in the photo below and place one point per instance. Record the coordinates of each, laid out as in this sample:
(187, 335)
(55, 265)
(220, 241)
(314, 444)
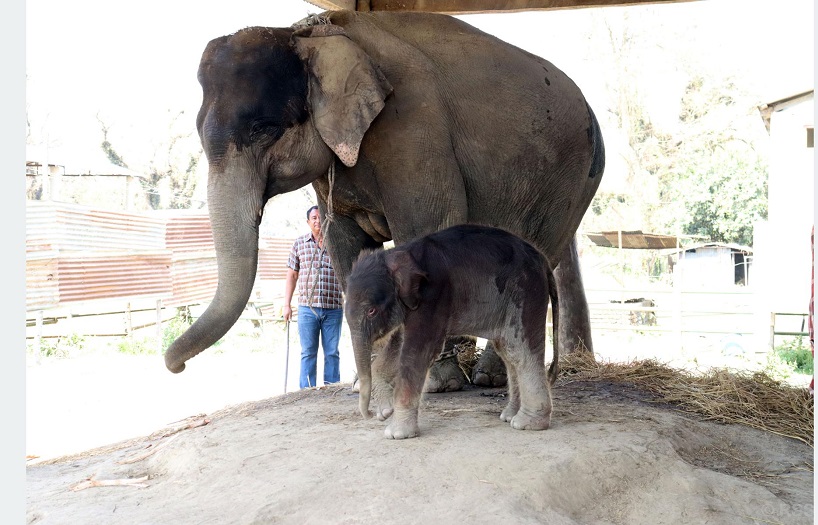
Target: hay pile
(467, 356)
(755, 400)
(752, 399)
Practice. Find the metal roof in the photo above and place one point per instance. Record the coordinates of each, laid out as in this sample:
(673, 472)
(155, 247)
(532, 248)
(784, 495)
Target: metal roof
(769, 108)
(732, 246)
(75, 163)
(633, 240)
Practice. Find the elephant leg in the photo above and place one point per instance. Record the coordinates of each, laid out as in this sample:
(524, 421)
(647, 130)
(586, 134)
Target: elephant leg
(529, 406)
(575, 321)
(417, 354)
(385, 368)
(513, 405)
(490, 369)
(382, 394)
(445, 374)
(574, 326)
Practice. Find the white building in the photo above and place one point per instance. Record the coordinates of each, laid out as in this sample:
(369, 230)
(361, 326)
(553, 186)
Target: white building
(783, 260)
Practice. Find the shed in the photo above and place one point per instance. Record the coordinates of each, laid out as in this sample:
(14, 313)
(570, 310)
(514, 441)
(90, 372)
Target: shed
(633, 240)
(713, 265)
(86, 178)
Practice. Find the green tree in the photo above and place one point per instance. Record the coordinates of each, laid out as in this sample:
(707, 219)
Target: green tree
(171, 171)
(716, 186)
(113, 156)
(703, 175)
(173, 168)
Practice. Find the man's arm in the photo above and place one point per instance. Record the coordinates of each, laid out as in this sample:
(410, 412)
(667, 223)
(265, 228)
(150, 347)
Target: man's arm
(289, 288)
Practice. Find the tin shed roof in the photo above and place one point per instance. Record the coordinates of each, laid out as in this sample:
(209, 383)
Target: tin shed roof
(633, 240)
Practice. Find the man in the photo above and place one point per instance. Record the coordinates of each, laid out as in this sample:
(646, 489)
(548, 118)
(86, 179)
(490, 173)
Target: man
(320, 306)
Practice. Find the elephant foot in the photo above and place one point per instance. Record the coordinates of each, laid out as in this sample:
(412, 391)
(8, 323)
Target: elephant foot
(508, 413)
(527, 421)
(384, 412)
(402, 428)
(511, 409)
(445, 375)
(490, 369)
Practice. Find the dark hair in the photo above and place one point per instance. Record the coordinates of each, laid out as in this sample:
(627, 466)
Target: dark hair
(310, 211)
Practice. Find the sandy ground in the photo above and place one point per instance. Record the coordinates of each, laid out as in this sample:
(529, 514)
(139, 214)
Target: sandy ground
(101, 397)
(308, 457)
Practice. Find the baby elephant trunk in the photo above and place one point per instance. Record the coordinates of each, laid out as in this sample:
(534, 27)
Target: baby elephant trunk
(363, 361)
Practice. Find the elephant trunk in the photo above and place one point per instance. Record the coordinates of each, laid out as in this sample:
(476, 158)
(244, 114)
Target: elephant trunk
(363, 362)
(235, 214)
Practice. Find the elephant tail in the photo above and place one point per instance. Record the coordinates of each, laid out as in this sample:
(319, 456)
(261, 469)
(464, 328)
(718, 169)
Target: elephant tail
(554, 369)
(598, 145)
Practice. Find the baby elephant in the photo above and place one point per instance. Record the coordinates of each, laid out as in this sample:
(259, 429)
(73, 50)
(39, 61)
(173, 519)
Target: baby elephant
(467, 279)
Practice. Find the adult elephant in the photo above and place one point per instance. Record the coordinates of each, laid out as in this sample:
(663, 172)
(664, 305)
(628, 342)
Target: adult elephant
(405, 123)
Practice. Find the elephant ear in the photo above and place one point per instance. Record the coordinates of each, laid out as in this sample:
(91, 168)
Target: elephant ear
(408, 277)
(347, 89)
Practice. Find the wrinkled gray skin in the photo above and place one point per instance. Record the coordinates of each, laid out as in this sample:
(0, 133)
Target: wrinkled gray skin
(574, 334)
(402, 303)
(427, 122)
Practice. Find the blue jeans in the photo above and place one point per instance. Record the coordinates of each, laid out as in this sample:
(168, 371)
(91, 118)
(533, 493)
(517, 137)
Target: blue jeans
(327, 322)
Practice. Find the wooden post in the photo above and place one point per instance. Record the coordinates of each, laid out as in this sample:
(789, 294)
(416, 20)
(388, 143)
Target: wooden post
(128, 323)
(46, 195)
(69, 321)
(622, 268)
(159, 326)
(678, 280)
(772, 331)
(38, 334)
(55, 183)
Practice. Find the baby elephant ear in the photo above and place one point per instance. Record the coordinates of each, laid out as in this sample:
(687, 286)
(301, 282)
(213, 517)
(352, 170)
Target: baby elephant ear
(407, 275)
(347, 89)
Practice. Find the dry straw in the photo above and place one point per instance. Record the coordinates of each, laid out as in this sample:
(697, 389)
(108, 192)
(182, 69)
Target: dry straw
(752, 399)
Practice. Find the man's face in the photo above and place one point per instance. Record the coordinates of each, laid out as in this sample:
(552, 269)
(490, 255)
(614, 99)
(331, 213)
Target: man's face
(315, 223)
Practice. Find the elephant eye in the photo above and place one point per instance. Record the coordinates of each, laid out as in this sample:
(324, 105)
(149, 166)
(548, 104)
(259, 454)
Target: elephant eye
(371, 312)
(265, 128)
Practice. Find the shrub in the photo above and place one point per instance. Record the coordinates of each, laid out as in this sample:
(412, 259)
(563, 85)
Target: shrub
(59, 347)
(173, 329)
(134, 346)
(797, 355)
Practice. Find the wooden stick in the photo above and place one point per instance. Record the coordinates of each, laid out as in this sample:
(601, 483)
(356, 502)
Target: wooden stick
(151, 451)
(193, 424)
(170, 434)
(93, 482)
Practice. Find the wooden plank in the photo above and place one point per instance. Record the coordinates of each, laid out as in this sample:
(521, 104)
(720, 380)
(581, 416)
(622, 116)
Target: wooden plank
(476, 6)
(334, 5)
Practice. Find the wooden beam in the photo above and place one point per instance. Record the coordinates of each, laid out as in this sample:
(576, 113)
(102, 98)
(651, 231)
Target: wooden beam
(334, 5)
(453, 7)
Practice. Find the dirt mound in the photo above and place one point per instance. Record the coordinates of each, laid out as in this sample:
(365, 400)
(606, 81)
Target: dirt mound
(611, 456)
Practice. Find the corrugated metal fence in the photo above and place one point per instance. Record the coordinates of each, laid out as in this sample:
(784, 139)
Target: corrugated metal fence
(75, 253)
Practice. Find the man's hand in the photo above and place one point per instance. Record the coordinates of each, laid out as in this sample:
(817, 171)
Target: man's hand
(287, 312)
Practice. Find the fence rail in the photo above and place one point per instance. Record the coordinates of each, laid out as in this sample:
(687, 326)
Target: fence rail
(658, 312)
